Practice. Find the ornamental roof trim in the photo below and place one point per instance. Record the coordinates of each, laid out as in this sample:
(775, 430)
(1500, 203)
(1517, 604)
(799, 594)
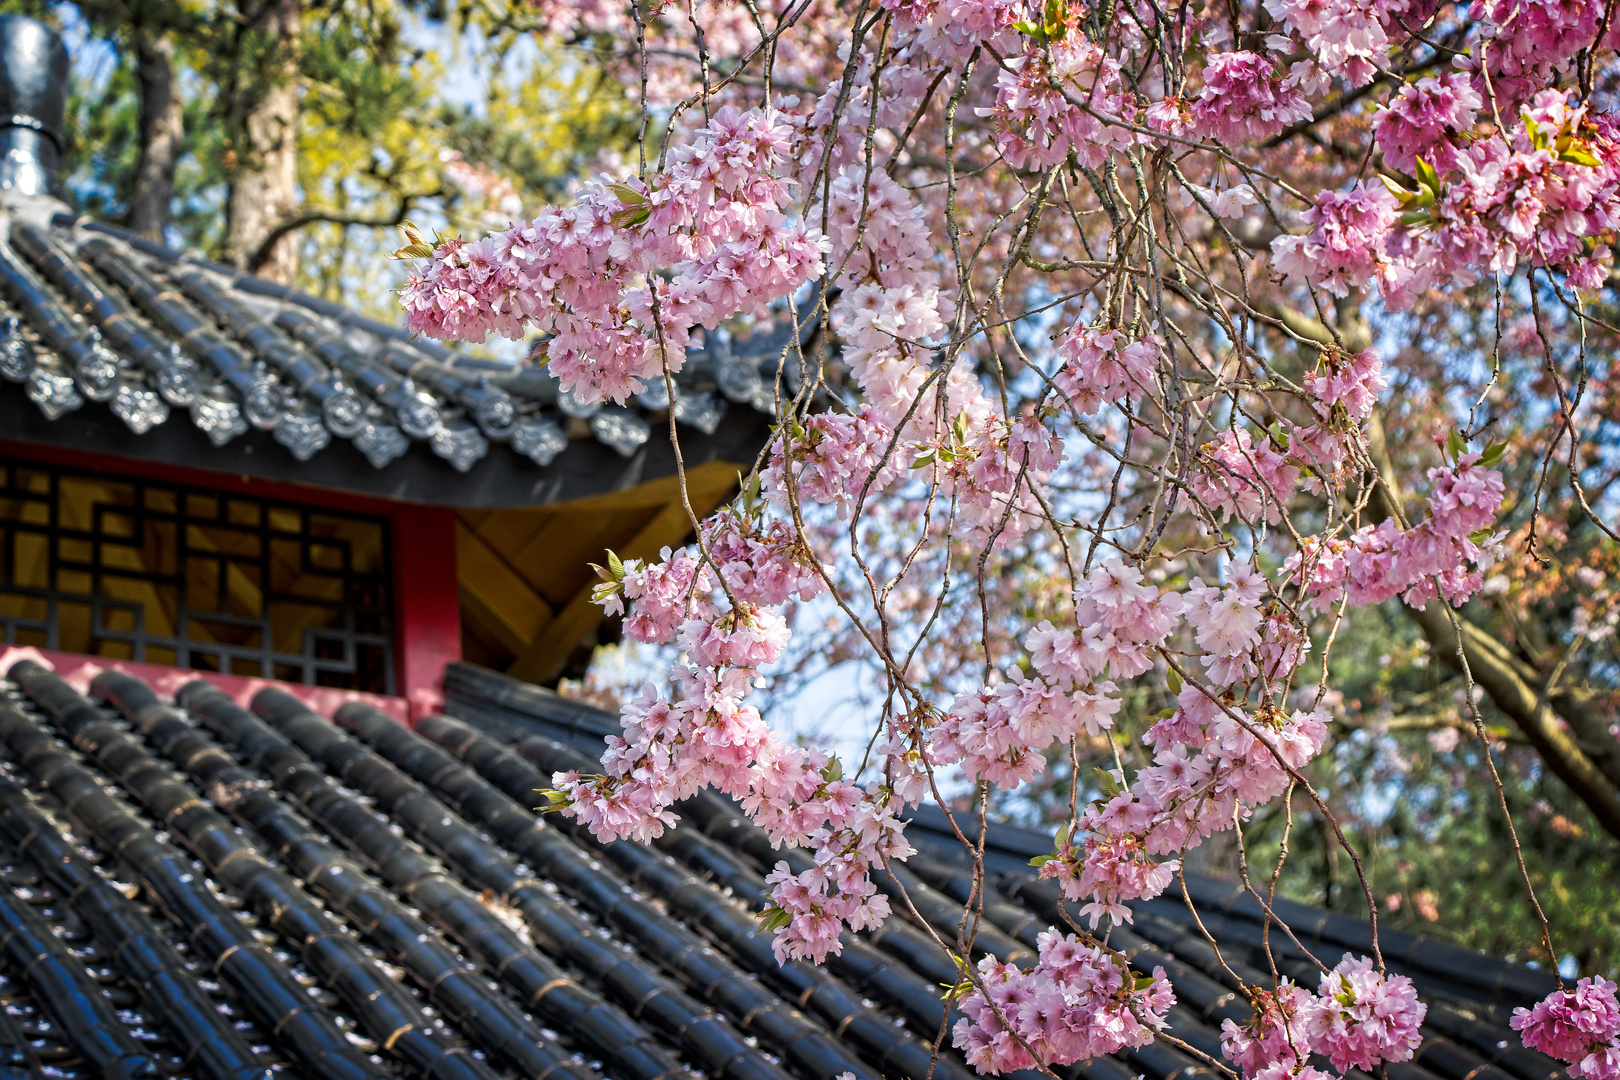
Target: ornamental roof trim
(160, 354)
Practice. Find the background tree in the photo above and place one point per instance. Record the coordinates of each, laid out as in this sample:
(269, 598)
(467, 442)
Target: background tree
(290, 138)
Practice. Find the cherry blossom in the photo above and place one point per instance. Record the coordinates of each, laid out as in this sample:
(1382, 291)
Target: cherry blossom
(1102, 393)
(1579, 1027)
(1077, 1002)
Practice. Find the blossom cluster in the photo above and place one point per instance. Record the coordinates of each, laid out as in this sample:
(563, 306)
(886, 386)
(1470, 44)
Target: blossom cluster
(920, 392)
(1359, 1018)
(1051, 105)
(1100, 367)
(1543, 193)
(1440, 556)
(1077, 1002)
(713, 220)
(1580, 1027)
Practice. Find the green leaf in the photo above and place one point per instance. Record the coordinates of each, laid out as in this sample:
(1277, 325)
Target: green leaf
(629, 219)
(1402, 196)
(1576, 156)
(1106, 781)
(417, 245)
(1455, 447)
(1493, 454)
(772, 919)
(1041, 860)
(615, 567)
(833, 771)
(1174, 680)
(555, 800)
(1057, 19)
(1533, 133)
(1427, 176)
(628, 195)
(1142, 982)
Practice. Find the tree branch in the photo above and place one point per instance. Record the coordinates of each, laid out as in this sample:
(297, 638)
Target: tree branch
(1495, 672)
(262, 253)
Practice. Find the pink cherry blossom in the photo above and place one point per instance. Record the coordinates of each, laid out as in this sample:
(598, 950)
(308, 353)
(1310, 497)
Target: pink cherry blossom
(1242, 99)
(1579, 1027)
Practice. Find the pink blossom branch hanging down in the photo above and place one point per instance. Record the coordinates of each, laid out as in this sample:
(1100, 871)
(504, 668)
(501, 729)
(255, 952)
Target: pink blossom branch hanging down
(1093, 450)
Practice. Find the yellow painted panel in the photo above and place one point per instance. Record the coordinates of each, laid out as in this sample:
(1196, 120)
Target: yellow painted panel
(512, 609)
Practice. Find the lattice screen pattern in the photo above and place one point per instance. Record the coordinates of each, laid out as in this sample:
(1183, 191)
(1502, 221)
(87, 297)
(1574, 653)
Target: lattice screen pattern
(167, 574)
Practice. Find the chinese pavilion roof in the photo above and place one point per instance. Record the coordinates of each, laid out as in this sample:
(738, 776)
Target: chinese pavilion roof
(111, 342)
(198, 888)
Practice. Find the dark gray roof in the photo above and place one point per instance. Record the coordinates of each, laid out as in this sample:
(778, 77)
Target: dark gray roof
(127, 346)
(265, 888)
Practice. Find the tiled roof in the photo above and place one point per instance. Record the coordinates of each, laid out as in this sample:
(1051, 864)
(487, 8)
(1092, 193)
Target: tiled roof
(266, 888)
(91, 316)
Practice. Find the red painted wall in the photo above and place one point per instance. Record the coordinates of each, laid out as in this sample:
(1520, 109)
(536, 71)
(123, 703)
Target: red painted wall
(427, 604)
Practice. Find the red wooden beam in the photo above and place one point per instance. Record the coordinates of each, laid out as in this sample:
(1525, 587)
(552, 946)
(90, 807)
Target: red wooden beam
(427, 603)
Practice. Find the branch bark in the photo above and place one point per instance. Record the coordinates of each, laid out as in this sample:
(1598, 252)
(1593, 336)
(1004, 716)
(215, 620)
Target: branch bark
(1570, 736)
(1500, 675)
(270, 244)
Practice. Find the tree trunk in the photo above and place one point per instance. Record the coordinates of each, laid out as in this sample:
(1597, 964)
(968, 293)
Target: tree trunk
(162, 134)
(264, 191)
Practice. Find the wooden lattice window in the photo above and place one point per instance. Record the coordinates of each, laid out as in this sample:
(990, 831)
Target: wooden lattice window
(168, 574)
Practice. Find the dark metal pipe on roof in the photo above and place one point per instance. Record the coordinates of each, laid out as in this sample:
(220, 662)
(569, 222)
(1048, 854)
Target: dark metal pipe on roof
(601, 889)
(261, 396)
(416, 412)
(708, 1037)
(33, 104)
(490, 407)
(492, 1021)
(626, 1046)
(73, 1001)
(94, 368)
(173, 373)
(271, 994)
(341, 408)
